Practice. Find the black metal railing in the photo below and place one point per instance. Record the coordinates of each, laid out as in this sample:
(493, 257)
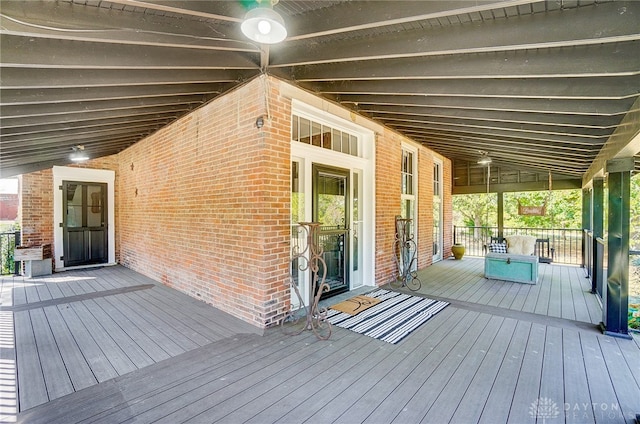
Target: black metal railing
(8, 243)
(566, 242)
(587, 252)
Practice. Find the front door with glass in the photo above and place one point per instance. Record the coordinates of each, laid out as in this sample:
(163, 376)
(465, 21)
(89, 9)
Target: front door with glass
(84, 223)
(331, 210)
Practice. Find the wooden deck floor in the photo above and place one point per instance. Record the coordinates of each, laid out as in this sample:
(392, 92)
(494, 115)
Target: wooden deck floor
(498, 349)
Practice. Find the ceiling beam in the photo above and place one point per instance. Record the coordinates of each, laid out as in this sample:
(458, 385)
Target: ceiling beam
(517, 187)
(359, 16)
(26, 52)
(561, 107)
(53, 121)
(510, 116)
(32, 78)
(584, 89)
(624, 142)
(530, 127)
(71, 110)
(589, 25)
(38, 96)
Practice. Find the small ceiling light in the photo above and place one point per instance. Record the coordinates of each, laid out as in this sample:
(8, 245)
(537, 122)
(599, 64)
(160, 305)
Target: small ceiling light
(78, 154)
(264, 25)
(484, 159)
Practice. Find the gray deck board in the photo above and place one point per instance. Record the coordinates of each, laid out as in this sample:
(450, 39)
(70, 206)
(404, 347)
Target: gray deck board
(601, 387)
(552, 387)
(386, 369)
(626, 388)
(56, 377)
(470, 408)
(95, 357)
(422, 369)
(172, 336)
(358, 405)
(500, 398)
(485, 362)
(140, 343)
(79, 371)
(528, 385)
(118, 359)
(246, 402)
(32, 388)
(451, 395)
(129, 346)
(576, 387)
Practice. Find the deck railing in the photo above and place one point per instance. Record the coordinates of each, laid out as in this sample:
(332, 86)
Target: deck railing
(8, 242)
(566, 242)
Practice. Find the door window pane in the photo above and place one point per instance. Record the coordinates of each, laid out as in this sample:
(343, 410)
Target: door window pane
(94, 206)
(74, 206)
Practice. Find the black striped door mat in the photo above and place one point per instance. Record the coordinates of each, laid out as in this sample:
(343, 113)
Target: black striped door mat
(391, 320)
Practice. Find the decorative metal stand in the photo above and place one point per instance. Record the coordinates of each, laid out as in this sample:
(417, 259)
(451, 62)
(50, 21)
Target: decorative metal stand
(310, 259)
(404, 253)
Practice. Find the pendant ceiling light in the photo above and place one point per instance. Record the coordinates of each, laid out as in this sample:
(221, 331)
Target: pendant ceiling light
(78, 154)
(484, 159)
(264, 25)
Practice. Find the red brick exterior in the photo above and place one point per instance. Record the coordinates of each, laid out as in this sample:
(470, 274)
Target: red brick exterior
(203, 205)
(36, 194)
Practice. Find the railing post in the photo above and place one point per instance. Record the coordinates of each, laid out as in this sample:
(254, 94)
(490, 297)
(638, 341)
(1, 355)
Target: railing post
(16, 264)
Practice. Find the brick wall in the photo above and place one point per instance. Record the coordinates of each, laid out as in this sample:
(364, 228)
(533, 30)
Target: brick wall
(388, 192)
(36, 203)
(36, 194)
(204, 204)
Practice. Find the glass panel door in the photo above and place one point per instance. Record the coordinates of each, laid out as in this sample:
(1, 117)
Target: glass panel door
(331, 210)
(84, 223)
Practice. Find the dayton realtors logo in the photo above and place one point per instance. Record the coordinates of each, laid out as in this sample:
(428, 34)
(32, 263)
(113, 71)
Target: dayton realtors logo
(544, 408)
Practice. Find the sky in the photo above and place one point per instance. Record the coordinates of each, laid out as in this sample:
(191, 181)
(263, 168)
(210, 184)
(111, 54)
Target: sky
(8, 185)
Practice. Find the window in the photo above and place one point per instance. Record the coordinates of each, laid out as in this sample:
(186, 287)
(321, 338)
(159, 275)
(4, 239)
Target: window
(314, 133)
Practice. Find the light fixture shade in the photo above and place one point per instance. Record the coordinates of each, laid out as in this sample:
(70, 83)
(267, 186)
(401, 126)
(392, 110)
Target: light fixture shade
(264, 25)
(485, 160)
(78, 154)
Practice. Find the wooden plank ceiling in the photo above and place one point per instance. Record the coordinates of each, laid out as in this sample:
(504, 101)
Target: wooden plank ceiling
(538, 85)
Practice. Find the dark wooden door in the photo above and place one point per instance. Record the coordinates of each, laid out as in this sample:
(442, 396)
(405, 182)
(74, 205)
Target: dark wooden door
(84, 223)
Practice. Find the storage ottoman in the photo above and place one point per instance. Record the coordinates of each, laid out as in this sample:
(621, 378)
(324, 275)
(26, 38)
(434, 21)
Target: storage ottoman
(516, 268)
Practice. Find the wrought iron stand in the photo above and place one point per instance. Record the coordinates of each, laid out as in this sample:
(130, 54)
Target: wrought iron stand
(404, 253)
(309, 259)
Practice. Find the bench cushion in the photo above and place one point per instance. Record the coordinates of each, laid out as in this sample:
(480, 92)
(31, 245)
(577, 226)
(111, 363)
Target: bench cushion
(521, 245)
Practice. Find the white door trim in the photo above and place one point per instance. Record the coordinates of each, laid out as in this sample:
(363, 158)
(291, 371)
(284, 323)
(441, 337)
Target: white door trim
(62, 173)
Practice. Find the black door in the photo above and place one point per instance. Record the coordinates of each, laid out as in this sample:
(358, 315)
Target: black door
(331, 210)
(84, 223)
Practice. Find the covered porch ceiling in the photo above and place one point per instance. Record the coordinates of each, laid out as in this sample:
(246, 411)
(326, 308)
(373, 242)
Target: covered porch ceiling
(542, 86)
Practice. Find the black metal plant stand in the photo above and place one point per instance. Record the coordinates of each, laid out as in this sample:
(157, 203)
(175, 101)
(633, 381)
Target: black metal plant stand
(311, 317)
(404, 253)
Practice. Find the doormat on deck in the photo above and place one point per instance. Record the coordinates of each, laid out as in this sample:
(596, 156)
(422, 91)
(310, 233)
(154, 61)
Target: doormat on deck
(356, 304)
(392, 319)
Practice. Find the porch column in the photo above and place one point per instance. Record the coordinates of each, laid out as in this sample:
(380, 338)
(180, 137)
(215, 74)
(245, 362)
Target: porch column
(597, 227)
(616, 301)
(500, 214)
(586, 221)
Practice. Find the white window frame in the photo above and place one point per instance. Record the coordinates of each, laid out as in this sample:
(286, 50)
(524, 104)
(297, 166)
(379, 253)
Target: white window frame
(364, 165)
